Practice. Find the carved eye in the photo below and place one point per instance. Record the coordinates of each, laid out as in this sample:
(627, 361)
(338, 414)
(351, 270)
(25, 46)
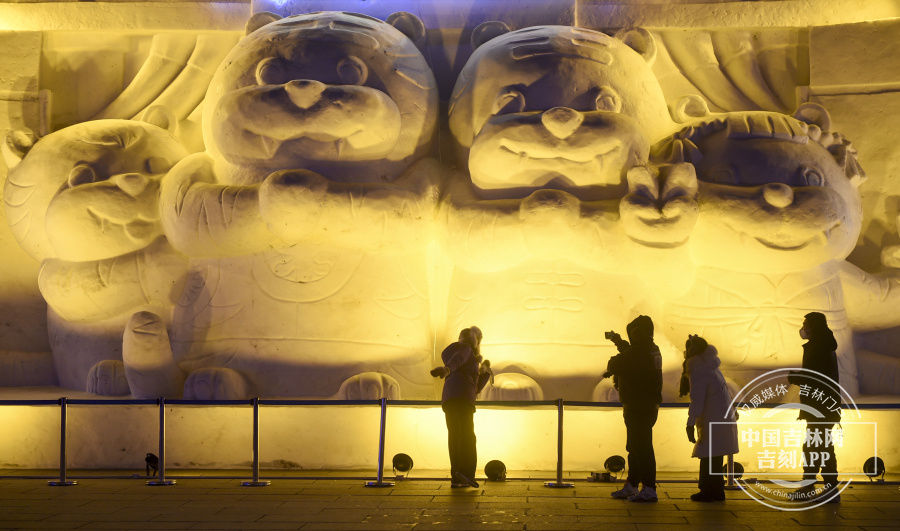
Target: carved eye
(811, 177)
(607, 100)
(81, 174)
(352, 71)
(509, 101)
(156, 165)
(269, 71)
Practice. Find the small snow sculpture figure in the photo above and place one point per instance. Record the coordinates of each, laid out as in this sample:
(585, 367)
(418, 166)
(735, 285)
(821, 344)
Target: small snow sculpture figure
(84, 201)
(779, 213)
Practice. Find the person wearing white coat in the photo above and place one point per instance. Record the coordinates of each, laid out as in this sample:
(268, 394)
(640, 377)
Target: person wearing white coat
(710, 404)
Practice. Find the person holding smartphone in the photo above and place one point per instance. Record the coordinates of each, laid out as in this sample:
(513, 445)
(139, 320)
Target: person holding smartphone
(465, 374)
(637, 375)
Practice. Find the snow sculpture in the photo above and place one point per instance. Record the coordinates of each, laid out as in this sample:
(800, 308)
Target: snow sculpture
(549, 120)
(84, 201)
(308, 239)
(779, 213)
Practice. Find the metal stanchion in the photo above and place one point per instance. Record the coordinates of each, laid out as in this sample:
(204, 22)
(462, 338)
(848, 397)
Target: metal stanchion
(161, 480)
(559, 483)
(730, 472)
(380, 482)
(256, 482)
(62, 481)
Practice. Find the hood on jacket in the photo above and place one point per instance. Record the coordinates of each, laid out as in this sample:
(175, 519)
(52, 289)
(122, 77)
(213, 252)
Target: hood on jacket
(708, 360)
(640, 331)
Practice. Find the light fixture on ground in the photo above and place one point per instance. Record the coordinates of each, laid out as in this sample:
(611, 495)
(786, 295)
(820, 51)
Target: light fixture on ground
(613, 465)
(495, 470)
(402, 464)
(874, 467)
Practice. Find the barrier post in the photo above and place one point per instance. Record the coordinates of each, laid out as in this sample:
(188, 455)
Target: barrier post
(161, 480)
(380, 482)
(255, 482)
(559, 483)
(62, 481)
(730, 471)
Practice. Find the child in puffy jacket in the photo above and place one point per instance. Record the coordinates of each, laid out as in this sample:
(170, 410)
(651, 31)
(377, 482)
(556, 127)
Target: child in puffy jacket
(710, 404)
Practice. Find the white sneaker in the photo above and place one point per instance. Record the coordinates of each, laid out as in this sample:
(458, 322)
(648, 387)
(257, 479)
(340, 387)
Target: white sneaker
(625, 492)
(647, 494)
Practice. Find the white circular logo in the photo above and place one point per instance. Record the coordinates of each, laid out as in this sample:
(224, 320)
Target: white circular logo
(773, 438)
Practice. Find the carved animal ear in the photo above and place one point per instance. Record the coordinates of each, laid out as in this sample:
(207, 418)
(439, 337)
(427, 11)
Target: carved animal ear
(814, 114)
(690, 107)
(16, 145)
(259, 20)
(409, 25)
(487, 31)
(160, 116)
(639, 40)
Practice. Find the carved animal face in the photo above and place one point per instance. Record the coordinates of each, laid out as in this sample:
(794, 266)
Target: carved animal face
(556, 103)
(773, 204)
(90, 191)
(331, 92)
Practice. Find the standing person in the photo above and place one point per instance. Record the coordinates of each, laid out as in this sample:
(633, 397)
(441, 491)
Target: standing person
(465, 376)
(818, 449)
(637, 371)
(710, 404)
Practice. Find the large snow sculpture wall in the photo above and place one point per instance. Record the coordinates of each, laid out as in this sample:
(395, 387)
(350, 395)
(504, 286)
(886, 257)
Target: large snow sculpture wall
(291, 210)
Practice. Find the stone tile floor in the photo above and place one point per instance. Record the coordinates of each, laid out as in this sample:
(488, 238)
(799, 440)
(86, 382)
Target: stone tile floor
(336, 504)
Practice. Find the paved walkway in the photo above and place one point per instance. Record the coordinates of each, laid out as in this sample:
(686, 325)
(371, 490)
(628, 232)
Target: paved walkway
(412, 504)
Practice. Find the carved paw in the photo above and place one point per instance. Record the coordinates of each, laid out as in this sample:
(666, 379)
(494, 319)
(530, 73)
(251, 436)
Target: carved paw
(546, 205)
(107, 378)
(660, 210)
(216, 383)
(605, 392)
(369, 386)
(512, 386)
(890, 256)
(149, 365)
(290, 201)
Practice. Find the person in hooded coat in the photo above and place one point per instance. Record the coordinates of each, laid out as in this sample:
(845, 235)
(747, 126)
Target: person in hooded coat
(465, 375)
(710, 405)
(637, 372)
(819, 356)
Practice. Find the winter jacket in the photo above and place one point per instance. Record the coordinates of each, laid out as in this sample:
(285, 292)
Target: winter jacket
(465, 381)
(710, 401)
(638, 366)
(819, 356)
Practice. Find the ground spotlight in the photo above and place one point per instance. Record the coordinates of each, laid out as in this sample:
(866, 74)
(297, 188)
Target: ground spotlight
(613, 465)
(738, 470)
(874, 467)
(495, 470)
(402, 463)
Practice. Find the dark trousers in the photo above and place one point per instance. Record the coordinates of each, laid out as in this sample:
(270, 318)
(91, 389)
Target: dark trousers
(814, 463)
(639, 421)
(461, 437)
(712, 484)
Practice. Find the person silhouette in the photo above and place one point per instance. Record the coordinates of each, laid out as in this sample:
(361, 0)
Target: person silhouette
(710, 406)
(465, 374)
(637, 372)
(819, 355)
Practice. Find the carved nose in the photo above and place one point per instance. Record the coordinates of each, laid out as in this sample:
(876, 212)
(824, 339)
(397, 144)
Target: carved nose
(561, 121)
(131, 183)
(304, 93)
(778, 195)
